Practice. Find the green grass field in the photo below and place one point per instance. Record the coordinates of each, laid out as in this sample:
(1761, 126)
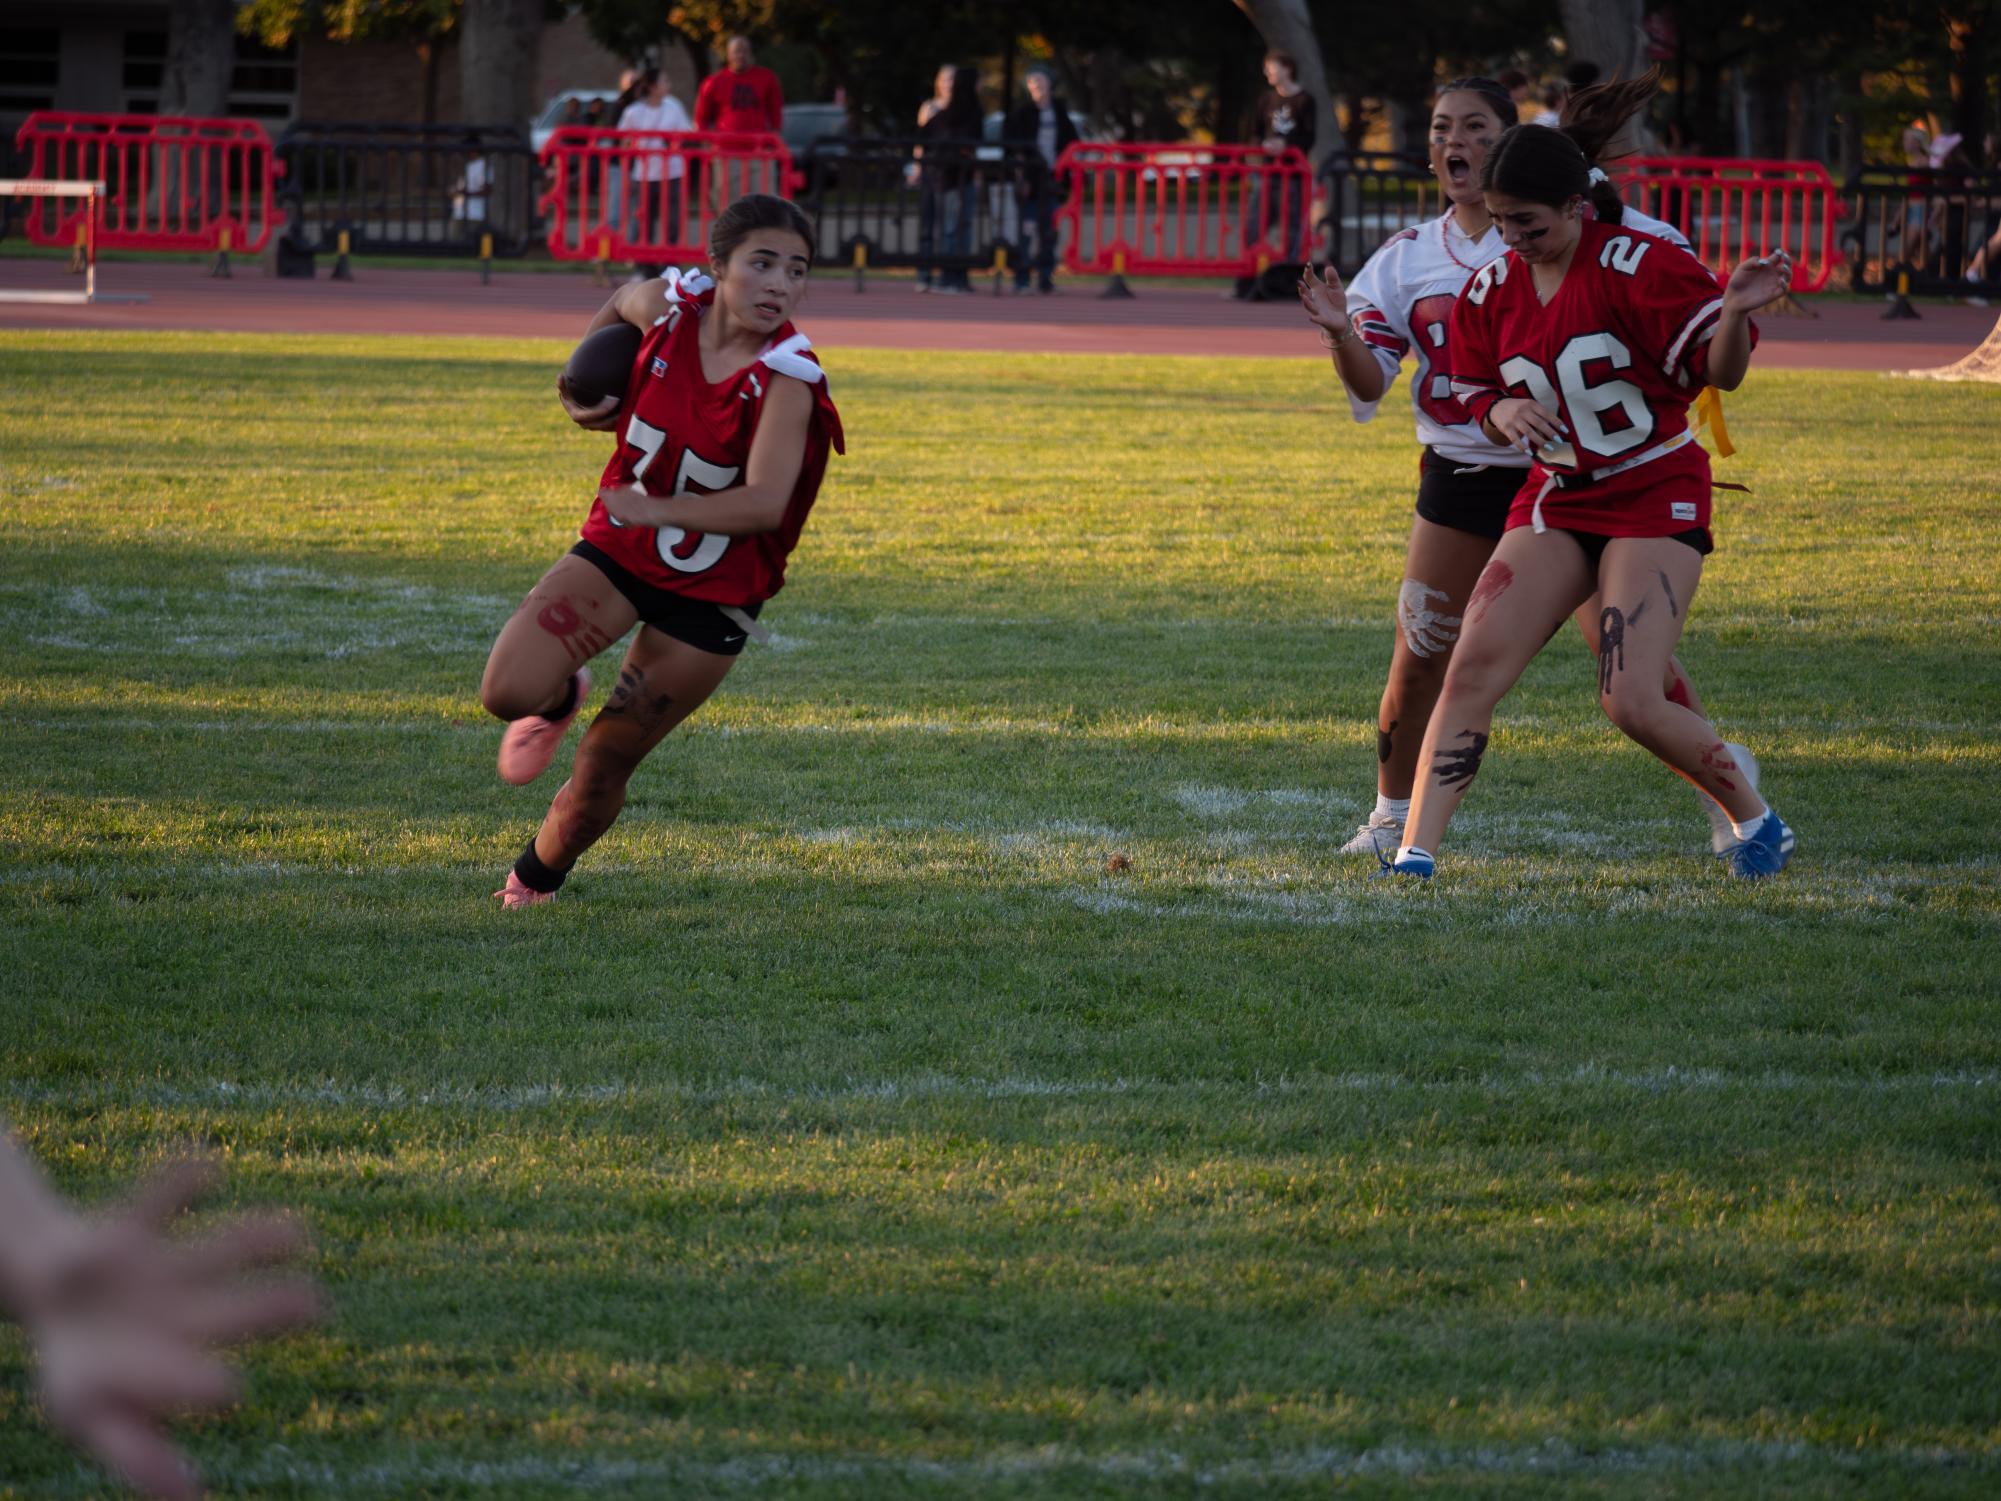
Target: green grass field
(846, 1128)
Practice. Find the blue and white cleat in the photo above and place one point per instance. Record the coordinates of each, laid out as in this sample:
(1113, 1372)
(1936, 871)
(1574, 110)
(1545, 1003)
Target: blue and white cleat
(1722, 838)
(1417, 863)
(1765, 853)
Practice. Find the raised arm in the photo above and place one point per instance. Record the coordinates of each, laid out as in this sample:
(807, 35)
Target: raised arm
(1754, 284)
(1325, 303)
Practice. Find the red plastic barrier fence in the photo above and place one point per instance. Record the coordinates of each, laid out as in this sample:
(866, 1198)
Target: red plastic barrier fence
(650, 195)
(1732, 209)
(171, 182)
(1156, 209)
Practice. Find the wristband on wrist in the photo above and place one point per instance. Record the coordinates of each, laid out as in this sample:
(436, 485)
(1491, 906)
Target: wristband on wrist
(1338, 341)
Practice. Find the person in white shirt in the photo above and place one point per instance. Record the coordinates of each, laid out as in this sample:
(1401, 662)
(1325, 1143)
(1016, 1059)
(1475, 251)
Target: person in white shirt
(657, 177)
(1401, 304)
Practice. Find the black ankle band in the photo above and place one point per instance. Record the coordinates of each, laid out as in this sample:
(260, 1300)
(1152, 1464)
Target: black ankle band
(534, 874)
(562, 710)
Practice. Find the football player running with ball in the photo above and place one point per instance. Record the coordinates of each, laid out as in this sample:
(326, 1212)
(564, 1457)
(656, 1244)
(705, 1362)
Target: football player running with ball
(1584, 346)
(1401, 303)
(723, 436)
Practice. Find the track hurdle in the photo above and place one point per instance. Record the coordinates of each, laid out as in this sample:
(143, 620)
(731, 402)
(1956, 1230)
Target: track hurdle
(92, 193)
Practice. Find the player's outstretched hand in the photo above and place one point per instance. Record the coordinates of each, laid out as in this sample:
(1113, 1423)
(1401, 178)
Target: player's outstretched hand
(1325, 301)
(1759, 282)
(601, 418)
(124, 1320)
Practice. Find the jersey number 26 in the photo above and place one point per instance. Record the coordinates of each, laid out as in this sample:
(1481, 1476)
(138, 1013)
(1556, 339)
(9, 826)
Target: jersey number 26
(1588, 404)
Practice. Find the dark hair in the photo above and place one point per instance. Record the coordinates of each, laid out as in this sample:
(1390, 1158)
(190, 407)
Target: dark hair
(1496, 94)
(962, 118)
(1512, 79)
(749, 214)
(1291, 62)
(1541, 165)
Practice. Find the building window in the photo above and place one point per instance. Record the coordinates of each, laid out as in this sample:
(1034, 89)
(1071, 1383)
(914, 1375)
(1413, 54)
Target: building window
(145, 62)
(263, 82)
(30, 60)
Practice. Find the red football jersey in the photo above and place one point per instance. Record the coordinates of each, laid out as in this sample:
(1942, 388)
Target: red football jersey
(678, 433)
(1619, 353)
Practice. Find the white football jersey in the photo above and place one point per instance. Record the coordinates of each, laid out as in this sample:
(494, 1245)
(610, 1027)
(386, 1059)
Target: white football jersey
(1401, 302)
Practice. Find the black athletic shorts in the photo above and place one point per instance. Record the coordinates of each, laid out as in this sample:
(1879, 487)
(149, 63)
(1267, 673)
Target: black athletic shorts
(1593, 543)
(1477, 502)
(697, 622)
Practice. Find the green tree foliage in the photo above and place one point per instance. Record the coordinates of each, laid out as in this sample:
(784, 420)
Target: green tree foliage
(277, 22)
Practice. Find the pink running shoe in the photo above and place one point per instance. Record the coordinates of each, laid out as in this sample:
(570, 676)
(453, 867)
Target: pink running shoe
(514, 894)
(530, 744)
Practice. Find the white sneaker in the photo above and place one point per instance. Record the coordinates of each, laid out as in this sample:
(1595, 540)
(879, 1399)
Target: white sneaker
(1381, 832)
(1722, 838)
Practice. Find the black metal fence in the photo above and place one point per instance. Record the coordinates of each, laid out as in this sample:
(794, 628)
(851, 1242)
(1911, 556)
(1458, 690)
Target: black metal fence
(951, 211)
(407, 189)
(1932, 226)
(1370, 196)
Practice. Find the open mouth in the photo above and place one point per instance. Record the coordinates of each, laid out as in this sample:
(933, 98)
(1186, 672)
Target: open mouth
(1458, 171)
(769, 309)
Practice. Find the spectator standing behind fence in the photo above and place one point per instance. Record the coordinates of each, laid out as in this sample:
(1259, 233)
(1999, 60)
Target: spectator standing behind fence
(949, 124)
(656, 175)
(469, 192)
(1286, 117)
(1042, 120)
(743, 99)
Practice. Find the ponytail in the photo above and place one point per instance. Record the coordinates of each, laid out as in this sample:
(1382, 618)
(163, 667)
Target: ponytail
(1551, 167)
(1592, 117)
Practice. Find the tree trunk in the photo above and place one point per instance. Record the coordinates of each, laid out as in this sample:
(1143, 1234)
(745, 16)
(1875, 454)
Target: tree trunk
(499, 45)
(427, 53)
(1850, 103)
(201, 54)
(1611, 34)
(1966, 35)
(1287, 26)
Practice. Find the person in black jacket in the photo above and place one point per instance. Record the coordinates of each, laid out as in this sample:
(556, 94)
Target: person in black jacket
(1042, 121)
(949, 125)
(1287, 117)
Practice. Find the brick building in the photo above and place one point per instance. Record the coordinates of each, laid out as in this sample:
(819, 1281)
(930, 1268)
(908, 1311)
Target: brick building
(106, 57)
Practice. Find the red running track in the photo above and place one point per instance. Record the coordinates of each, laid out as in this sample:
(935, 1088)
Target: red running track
(890, 314)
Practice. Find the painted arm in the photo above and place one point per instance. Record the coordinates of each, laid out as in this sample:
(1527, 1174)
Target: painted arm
(777, 454)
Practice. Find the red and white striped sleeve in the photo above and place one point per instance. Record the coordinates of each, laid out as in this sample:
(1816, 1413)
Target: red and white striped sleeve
(1476, 369)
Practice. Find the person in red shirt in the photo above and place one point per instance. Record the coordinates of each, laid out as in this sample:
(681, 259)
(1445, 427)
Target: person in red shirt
(743, 99)
(1584, 346)
(724, 433)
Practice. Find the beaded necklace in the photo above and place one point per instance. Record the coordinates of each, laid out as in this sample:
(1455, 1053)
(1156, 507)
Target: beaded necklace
(1448, 227)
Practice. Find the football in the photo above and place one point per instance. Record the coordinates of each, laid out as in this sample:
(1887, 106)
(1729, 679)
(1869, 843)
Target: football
(602, 364)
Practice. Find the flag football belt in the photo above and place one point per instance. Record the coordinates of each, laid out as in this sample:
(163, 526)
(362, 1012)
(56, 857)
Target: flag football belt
(1558, 481)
